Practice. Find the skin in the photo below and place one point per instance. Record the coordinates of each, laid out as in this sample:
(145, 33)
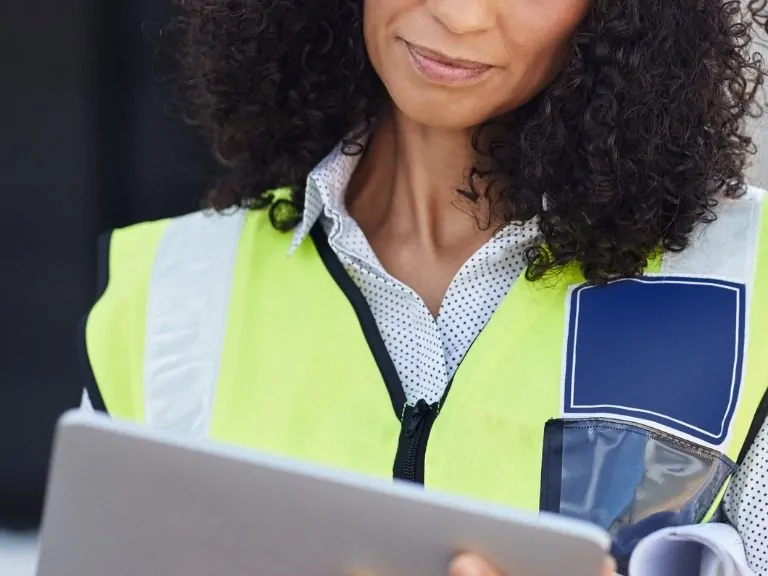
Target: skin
(469, 565)
(403, 194)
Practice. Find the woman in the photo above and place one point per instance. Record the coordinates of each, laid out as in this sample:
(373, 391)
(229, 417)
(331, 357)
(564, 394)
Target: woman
(557, 185)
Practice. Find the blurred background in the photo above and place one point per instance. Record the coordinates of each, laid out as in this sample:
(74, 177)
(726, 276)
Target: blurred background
(88, 142)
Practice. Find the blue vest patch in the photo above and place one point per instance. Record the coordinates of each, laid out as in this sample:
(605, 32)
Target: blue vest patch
(660, 350)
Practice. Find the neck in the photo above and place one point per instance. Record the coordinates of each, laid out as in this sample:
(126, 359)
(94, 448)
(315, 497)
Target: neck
(405, 187)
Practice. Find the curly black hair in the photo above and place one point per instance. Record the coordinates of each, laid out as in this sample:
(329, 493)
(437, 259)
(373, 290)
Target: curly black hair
(631, 145)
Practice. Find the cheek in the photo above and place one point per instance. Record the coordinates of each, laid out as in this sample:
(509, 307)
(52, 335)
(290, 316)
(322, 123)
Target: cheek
(538, 35)
(377, 17)
(537, 28)
(380, 17)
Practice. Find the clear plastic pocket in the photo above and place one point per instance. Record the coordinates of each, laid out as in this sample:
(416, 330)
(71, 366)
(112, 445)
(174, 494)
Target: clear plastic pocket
(628, 479)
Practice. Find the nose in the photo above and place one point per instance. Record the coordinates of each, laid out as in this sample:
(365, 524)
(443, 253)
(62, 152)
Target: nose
(463, 16)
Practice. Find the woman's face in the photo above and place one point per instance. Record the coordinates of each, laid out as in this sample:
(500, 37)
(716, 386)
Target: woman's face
(457, 63)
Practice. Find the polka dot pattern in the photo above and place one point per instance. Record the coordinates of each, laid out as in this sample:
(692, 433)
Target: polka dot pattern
(746, 503)
(479, 287)
(426, 351)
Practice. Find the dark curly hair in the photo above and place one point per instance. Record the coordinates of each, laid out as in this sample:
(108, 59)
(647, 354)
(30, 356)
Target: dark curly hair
(631, 144)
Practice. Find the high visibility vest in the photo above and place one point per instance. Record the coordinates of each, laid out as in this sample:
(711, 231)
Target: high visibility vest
(627, 405)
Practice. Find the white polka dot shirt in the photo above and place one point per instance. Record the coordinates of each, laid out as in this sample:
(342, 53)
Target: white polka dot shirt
(746, 503)
(425, 350)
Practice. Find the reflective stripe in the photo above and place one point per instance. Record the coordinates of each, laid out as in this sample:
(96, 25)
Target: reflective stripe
(187, 308)
(726, 248)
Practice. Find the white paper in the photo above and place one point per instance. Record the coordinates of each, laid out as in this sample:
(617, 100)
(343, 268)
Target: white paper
(698, 550)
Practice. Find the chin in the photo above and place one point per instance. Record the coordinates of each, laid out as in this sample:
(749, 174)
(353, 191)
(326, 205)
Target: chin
(455, 112)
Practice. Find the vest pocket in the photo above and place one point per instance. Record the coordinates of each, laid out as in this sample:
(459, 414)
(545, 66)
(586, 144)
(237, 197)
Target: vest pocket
(628, 479)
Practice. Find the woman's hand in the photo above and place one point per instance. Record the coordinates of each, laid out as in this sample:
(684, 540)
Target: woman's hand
(471, 565)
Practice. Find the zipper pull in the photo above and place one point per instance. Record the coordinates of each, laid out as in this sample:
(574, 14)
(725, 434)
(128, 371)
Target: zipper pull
(417, 416)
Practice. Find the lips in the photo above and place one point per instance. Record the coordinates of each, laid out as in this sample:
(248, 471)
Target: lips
(442, 69)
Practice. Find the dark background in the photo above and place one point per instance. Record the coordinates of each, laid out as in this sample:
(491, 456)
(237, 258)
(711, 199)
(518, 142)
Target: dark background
(86, 144)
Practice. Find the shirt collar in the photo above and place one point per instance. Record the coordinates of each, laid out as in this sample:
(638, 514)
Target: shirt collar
(325, 191)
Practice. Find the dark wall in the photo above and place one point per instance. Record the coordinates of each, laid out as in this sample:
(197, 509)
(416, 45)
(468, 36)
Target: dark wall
(86, 144)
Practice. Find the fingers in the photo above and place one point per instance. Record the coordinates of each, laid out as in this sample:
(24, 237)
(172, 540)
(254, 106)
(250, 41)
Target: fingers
(610, 567)
(471, 565)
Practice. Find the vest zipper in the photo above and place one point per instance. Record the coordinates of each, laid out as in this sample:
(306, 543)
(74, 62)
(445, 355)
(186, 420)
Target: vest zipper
(412, 448)
(416, 420)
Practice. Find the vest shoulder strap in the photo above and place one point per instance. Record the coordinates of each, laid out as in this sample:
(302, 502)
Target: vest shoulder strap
(153, 339)
(726, 248)
(734, 247)
(187, 304)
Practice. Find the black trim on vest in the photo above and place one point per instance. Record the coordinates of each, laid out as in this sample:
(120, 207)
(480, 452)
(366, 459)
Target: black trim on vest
(754, 429)
(416, 421)
(103, 245)
(102, 279)
(89, 379)
(551, 467)
(365, 317)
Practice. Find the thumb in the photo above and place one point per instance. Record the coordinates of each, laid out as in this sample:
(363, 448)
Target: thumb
(610, 567)
(471, 565)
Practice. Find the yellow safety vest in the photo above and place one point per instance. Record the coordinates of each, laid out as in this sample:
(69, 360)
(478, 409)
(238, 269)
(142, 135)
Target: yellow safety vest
(626, 405)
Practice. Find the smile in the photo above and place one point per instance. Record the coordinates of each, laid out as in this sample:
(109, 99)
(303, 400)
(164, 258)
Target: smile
(441, 69)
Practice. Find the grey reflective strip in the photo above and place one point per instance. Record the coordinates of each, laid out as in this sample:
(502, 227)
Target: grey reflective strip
(726, 248)
(187, 309)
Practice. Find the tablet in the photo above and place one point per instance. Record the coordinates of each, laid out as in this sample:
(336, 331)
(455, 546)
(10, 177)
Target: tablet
(123, 500)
